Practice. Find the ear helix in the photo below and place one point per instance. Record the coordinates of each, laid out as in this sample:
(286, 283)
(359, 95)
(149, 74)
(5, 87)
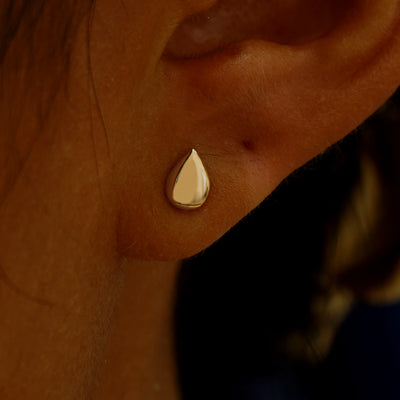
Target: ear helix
(188, 184)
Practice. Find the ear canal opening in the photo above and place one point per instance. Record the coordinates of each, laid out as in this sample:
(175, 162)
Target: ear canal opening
(288, 22)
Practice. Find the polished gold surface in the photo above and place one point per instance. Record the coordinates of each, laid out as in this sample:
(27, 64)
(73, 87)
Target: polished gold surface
(188, 184)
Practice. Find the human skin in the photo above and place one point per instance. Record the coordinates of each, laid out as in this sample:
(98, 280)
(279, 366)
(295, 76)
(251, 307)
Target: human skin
(83, 314)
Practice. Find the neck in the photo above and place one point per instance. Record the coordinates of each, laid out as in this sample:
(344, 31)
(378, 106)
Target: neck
(140, 359)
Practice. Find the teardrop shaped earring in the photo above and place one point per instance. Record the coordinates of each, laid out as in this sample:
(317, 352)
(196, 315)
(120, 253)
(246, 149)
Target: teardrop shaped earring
(188, 184)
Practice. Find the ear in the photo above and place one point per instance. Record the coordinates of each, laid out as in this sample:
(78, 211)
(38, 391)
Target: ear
(259, 103)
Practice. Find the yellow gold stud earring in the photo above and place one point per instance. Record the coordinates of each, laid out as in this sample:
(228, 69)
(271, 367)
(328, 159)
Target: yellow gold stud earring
(188, 184)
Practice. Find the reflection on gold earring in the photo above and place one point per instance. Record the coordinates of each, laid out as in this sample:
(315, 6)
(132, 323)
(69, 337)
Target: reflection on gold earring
(188, 184)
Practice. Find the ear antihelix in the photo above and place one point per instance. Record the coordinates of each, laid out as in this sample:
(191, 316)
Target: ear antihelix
(233, 21)
(188, 183)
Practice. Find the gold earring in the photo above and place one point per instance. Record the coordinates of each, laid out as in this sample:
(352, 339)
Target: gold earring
(188, 184)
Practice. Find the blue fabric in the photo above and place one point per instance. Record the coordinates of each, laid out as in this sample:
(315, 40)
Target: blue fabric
(275, 387)
(364, 363)
(367, 352)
